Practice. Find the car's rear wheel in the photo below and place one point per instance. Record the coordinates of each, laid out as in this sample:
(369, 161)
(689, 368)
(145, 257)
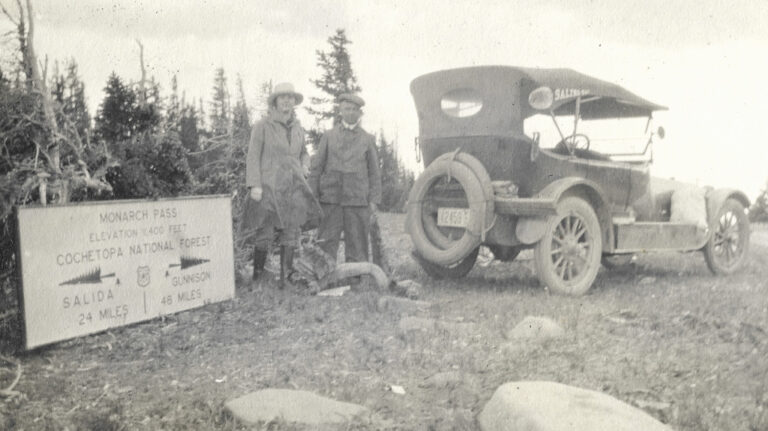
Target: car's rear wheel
(728, 243)
(440, 272)
(567, 257)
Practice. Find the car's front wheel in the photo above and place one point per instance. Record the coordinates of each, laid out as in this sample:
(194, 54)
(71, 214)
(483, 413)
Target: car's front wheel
(567, 258)
(728, 243)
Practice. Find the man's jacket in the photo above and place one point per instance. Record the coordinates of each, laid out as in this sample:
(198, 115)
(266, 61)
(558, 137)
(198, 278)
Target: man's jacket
(345, 169)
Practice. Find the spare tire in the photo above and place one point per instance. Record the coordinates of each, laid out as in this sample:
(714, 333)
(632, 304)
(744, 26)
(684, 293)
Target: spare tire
(431, 229)
(427, 238)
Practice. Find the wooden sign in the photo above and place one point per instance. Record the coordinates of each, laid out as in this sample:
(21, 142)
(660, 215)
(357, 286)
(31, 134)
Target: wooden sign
(92, 266)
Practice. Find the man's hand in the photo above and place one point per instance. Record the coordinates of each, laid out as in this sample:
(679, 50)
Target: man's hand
(305, 171)
(373, 208)
(256, 193)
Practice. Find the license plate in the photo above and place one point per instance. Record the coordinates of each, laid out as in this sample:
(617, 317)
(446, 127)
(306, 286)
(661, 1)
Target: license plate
(453, 217)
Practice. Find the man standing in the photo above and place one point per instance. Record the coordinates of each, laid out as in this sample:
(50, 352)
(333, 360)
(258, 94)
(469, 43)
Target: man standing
(345, 177)
(280, 199)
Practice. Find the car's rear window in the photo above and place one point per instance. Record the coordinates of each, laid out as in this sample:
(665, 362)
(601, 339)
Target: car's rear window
(461, 103)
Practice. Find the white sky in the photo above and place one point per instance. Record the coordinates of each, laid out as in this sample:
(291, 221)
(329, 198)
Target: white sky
(705, 60)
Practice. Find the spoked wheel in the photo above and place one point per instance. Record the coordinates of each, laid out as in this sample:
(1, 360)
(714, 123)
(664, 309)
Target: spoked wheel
(567, 258)
(441, 272)
(729, 241)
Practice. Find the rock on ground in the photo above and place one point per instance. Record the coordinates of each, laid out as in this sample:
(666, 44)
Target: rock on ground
(549, 406)
(292, 406)
(537, 328)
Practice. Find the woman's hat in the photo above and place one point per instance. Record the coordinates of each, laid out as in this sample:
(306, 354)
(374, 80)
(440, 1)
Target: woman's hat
(284, 88)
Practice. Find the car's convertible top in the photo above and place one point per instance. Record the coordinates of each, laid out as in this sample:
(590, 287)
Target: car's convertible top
(506, 90)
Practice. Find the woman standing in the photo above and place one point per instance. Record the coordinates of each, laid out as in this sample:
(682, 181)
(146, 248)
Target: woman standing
(280, 200)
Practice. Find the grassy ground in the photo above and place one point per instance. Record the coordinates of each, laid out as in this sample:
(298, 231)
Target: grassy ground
(662, 334)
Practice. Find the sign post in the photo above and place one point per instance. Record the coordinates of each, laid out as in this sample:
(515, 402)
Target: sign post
(88, 267)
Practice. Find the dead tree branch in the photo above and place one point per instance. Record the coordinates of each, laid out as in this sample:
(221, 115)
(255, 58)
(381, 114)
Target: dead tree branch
(8, 14)
(142, 88)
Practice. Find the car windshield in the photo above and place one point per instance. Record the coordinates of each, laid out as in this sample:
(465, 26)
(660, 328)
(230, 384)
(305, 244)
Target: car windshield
(607, 136)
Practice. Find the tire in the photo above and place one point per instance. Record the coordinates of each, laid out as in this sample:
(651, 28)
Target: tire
(504, 253)
(728, 244)
(567, 258)
(617, 261)
(455, 271)
(430, 243)
(432, 231)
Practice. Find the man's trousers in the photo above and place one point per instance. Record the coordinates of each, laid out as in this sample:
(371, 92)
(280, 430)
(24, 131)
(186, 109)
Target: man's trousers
(354, 221)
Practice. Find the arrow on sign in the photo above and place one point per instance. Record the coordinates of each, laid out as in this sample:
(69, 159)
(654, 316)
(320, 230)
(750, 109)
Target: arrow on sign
(91, 277)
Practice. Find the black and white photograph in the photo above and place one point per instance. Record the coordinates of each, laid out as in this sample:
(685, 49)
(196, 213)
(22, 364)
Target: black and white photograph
(522, 215)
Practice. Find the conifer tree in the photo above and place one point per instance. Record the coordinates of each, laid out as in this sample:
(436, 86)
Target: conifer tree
(116, 117)
(337, 78)
(241, 116)
(220, 113)
(173, 113)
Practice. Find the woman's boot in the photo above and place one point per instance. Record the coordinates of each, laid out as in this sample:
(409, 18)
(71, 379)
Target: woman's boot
(259, 259)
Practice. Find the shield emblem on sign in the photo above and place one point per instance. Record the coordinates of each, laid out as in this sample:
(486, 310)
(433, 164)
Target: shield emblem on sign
(143, 276)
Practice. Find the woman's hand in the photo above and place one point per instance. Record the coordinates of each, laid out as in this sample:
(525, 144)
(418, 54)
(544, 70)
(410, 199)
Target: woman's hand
(256, 193)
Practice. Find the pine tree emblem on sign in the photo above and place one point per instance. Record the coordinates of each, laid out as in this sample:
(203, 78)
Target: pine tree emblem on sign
(142, 276)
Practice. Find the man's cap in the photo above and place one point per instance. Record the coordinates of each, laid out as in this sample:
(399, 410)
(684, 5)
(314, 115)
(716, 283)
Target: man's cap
(352, 98)
(284, 88)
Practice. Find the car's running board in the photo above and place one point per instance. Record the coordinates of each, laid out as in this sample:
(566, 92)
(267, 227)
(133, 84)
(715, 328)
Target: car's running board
(646, 236)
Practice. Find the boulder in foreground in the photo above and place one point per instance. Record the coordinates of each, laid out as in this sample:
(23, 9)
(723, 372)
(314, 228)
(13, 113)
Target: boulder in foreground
(548, 406)
(293, 407)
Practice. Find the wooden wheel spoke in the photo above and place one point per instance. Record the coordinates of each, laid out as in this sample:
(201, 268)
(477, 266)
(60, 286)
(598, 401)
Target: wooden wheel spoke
(580, 232)
(556, 251)
(561, 267)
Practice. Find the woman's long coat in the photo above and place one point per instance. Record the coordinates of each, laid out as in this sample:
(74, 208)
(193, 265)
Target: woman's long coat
(276, 158)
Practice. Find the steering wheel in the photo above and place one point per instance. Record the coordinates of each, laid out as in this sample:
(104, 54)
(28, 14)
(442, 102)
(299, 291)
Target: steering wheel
(577, 141)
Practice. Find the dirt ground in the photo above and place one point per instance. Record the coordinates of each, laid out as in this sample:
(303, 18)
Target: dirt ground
(662, 334)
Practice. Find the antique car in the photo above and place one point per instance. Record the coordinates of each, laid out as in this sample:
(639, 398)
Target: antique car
(518, 158)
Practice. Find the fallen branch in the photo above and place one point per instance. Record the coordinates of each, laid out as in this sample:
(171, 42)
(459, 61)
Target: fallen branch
(9, 392)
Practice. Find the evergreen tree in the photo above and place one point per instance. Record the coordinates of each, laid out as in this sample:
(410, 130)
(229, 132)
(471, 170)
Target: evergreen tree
(173, 113)
(149, 113)
(116, 117)
(396, 181)
(68, 91)
(220, 112)
(76, 107)
(262, 107)
(337, 78)
(241, 115)
(188, 129)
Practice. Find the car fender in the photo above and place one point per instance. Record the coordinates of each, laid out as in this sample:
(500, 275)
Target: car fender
(529, 230)
(717, 197)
